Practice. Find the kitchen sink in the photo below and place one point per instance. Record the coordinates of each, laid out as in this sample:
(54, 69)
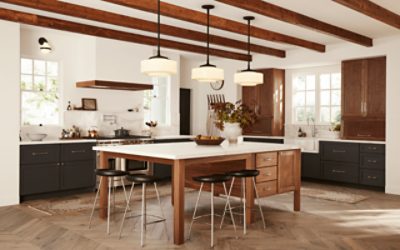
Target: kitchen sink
(307, 144)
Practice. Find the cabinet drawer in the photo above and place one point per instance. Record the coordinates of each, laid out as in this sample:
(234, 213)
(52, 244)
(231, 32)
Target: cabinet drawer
(343, 152)
(267, 174)
(343, 172)
(372, 148)
(267, 188)
(372, 178)
(266, 159)
(36, 154)
(373, 161)
(77, 152)
(39, 179)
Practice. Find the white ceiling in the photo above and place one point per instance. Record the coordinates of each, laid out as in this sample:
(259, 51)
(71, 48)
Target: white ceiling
(324, 10)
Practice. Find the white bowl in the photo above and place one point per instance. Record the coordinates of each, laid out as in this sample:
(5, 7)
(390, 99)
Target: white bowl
(36, 137)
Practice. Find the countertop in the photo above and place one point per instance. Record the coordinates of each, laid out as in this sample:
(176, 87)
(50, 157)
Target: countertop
(190, 150)
(57, 141)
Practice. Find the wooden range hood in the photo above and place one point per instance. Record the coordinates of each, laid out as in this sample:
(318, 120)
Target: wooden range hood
(100, 84)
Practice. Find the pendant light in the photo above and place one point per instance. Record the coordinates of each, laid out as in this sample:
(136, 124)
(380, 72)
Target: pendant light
(248, 77)
(207, 72)
(158, 65)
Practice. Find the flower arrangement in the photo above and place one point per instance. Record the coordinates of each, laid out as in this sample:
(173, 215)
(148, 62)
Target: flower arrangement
(234, 113)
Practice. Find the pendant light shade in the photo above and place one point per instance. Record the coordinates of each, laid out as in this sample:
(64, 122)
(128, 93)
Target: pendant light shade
(207, 72)
(248, 77)
(158, 65)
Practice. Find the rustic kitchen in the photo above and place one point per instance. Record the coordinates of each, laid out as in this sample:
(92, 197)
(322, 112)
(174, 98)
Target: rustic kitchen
(222, 124)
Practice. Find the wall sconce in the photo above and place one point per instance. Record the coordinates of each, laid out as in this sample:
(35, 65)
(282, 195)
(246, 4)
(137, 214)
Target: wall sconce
(44, 47)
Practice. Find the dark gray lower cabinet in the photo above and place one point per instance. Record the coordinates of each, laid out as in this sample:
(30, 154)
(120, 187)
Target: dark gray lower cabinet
(356, 163)
(310, 165)
(52, 168)
(76, 175)
(36, 179)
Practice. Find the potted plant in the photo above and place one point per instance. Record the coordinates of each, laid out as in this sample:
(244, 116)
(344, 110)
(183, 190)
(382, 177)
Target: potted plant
(232, 118)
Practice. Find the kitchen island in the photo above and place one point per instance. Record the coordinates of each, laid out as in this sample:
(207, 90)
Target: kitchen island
(280, 167)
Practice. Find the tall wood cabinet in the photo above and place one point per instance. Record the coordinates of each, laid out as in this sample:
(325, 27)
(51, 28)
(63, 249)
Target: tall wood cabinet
(364, 98)
(268, 102)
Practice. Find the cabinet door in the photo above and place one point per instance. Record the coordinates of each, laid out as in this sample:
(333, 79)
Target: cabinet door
(310, 165)
(38, 179)
(339, 171)
(352, 88)
(286, 172)
(249, 97)
(79, 174)
(376, 88)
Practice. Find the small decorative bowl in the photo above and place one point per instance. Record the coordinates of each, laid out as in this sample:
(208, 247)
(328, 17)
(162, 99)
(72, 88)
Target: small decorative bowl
(36, 137)
(209, 142)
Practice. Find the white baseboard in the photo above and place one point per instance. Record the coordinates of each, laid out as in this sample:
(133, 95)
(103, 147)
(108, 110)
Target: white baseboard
(393, 189)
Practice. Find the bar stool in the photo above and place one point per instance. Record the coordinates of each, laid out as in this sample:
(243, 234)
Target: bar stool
(144, 179)
(211, 179)
(111, 175)
(243, 174)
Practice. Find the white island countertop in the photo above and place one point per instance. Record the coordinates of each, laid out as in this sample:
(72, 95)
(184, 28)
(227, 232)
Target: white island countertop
(190, 150)
(57, 141)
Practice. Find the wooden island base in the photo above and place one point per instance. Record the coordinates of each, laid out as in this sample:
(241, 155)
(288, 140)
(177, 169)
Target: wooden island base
(280, 173)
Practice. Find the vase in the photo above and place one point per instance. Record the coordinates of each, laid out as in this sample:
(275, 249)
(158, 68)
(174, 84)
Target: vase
(232, 131)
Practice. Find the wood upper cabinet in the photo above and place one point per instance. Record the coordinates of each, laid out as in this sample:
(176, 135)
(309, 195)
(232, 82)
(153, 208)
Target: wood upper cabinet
(364, 98)
(268, 102)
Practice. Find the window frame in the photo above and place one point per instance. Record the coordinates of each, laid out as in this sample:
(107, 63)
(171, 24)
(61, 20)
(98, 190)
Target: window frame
(317, 72)
(46, 76)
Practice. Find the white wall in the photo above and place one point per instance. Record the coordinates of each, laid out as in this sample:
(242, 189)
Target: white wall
(86, 58)
(9, 110)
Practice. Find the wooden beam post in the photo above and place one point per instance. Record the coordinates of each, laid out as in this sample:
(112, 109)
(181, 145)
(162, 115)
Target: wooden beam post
(285, 15)
(52, 23)
(373, 10)
(84, 12)
(198, 17)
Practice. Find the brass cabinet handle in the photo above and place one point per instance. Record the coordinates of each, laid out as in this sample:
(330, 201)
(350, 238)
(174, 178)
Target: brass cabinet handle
(372, 148)
(78, 151)
(338, 171)
(372, 177)
(39, 153)
(267, 159)
(268, 174)
(372, 161)
(338, 151)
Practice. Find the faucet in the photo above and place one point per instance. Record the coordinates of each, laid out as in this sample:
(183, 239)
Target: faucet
(313, 128)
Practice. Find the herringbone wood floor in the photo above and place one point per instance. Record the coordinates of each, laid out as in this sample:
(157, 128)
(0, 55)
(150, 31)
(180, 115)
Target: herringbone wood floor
(370, 224)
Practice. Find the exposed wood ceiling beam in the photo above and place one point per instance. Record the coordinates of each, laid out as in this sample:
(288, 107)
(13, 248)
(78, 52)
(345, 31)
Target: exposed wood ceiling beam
(282, 14)
(373, 10)
(136, 23)
(198, 17)
(52, 23)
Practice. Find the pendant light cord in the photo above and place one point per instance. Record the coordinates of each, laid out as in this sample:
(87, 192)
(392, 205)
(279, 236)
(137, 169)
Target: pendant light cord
(158, 28)
(248, 43)
(208, 36)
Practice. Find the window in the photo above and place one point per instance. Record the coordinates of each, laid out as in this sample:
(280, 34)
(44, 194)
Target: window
(317, 97)
(157, 103)
(39, 92)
